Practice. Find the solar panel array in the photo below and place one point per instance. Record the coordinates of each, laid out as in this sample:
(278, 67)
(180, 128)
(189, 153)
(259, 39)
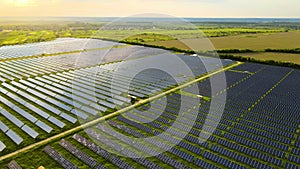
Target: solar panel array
(259, 127)
(14, 165)
(57, 46)
(44, 95)
(31, 67)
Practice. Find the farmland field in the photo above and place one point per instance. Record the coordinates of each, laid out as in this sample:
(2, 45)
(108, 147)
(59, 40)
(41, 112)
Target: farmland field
(45, 98)
(282, 57)
(284, 40)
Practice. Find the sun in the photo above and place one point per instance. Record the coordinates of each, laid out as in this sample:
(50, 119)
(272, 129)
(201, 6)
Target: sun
(21, 2)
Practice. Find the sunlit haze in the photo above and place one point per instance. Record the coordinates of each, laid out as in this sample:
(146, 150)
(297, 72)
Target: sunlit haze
(187, 8)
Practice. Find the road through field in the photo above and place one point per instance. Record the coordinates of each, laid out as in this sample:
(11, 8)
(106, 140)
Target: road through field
(94, 122)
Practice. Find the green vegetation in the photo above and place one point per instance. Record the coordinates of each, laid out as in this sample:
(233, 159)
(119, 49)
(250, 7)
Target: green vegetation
(286, 40)
(148, 37)
(19, 33)
(20, 37)
(238, 39)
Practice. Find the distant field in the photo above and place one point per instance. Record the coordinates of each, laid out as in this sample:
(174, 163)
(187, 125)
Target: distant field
(255, 42)
(11, 35)
(221, 36)
(282, 57)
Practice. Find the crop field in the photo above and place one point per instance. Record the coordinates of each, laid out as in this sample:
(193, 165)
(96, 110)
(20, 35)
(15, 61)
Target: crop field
(54, 100)
(282, 57)
(20, 33)
(285, 40)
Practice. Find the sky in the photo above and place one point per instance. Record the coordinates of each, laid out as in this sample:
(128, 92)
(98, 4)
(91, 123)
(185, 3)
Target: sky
(177, 8)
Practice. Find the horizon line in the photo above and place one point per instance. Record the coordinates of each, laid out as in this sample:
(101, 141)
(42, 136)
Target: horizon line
(149, 17)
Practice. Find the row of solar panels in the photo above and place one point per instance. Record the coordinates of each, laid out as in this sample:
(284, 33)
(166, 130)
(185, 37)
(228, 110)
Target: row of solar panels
(18, 69)
(276, 163)
(269, 159)
(145, 162)
(37, 91)
(224, 147)
(42, 69)
(56, 46)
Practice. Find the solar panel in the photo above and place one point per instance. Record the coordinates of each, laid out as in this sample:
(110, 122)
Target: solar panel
(80, 99)
(37, 110)
(19, 85)
(14, 165)
(17, 139)
(57, 122)
(27, 96)
(59, 158)
(34, 92)
(48, 107)
(46, 91)
(2, 146)
(50, 78)
(90, 110)
(100, 96)
(98, 107)
(12, 118)
(76, 104)
(136, 94)
(112, 106)
(28, 83)
(36, 82)
(25, 114)
(6, 102)
(64, 99)
(10, 87)
(16, 98)
(2, 79)
(44, 80)
(104, 92)
(79, 113)
(59, 104)
(122, 99)
(58, 77)
(3, 90)
(44, 126)
(3, 127)
(69, 118)
(109, 90)
(30, 131)
(115, 101)
(55, 89)
(78, 153)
